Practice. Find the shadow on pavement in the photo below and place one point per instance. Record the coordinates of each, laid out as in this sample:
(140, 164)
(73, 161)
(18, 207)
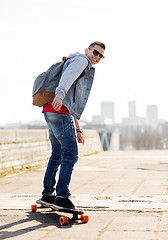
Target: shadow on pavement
(45, 219)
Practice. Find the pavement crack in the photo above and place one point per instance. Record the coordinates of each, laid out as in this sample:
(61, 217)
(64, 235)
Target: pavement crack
(117, 180)
(140, 184)
(104, 229)
(158, 226)
(87, 182)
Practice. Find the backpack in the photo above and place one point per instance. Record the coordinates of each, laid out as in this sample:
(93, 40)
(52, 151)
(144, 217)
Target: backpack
(45, 84)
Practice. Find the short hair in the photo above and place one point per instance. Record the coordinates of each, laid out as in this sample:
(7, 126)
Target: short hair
(98, 43)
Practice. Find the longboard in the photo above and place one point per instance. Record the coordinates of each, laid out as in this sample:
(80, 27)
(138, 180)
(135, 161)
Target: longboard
(63, 220)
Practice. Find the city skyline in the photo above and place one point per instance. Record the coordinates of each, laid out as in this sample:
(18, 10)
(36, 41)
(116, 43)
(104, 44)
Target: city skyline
(151, 116)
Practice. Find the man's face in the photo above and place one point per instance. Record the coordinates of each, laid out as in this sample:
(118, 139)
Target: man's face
(92, 52)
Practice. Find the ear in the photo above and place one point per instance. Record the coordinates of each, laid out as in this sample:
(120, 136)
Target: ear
(86, 51)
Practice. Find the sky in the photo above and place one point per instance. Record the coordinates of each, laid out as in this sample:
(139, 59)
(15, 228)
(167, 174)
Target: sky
(34, 34)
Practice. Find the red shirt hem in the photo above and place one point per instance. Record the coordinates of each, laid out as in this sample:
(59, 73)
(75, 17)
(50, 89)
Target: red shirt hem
(49, 108)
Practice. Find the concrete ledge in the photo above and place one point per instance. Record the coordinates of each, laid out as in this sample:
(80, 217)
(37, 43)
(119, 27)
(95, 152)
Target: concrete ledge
(26, 148)
(22, 148)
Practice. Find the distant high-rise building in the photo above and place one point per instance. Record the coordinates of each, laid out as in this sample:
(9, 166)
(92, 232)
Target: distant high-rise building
(131, 109)
(133, 119)
(152, 115)
(107, 110)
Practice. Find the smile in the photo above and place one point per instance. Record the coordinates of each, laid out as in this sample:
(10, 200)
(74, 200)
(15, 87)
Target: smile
(95, 60)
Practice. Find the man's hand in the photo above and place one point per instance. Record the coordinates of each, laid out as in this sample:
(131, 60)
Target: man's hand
(57, 103)
(80, 137)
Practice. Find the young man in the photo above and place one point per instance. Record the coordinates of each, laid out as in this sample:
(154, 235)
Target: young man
(70, 99)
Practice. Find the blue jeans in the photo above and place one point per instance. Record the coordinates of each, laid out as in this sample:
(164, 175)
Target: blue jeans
(64, 153)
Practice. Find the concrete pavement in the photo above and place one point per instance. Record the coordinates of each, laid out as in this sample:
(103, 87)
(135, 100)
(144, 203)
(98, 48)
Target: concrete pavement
(125, 195)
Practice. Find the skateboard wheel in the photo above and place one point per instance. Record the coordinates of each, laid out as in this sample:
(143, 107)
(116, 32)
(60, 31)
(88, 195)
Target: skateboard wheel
(63, 221)
(84, 218)
(34, 208)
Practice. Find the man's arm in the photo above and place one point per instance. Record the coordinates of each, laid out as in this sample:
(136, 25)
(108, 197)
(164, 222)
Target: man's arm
(72, 72)
(79, 131)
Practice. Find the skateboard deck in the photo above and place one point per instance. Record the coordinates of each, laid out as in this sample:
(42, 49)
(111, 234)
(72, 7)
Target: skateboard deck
(63, 220)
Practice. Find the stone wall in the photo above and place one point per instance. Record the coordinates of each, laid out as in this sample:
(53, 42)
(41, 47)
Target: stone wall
(92, 143)
(25, 148)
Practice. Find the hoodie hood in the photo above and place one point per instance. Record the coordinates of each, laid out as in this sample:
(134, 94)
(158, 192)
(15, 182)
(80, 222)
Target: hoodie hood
(78, 54)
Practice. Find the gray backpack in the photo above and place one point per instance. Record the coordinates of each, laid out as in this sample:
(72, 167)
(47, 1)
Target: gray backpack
(45, 85)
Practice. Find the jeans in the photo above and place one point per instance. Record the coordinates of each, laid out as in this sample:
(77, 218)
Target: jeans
(64, 153)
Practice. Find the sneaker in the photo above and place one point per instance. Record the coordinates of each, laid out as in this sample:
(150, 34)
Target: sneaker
(64, 203)
(48, 198)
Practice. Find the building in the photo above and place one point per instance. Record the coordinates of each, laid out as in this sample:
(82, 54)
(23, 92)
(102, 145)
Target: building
(152, 115)
(131, 109)
(133, 119)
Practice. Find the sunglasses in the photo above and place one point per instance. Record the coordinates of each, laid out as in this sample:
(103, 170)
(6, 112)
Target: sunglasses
(96, 53)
